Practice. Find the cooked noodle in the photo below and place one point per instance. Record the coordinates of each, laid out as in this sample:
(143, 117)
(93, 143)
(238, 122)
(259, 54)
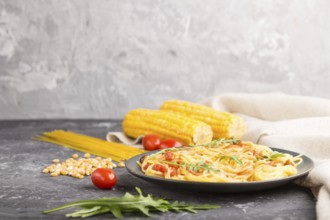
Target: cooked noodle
(221, 161)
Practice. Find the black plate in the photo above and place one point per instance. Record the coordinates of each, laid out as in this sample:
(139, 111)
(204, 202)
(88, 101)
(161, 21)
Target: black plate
(303, 169)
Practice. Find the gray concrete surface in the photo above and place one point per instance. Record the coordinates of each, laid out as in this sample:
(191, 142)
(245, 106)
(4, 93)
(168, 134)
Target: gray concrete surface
(25, 191)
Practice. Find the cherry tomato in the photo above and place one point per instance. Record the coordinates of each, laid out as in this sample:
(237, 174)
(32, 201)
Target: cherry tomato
(168, 143)
(159, 167)
(151, 142)
(104, 178)
(169, 156)
(174, 172)
(146, 166)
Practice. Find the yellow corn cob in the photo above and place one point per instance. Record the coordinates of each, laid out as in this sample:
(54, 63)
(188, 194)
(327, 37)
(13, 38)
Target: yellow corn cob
(166, 125)
(224, 124)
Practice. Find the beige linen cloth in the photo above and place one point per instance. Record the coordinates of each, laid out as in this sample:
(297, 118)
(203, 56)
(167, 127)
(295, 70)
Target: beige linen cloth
(296, 123)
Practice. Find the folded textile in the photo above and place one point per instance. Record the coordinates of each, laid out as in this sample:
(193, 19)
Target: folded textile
(119, 137)
(296, 123)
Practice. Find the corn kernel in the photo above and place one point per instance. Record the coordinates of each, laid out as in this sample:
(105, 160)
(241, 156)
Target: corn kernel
(121, 164)
(51, 170)
(87, 155)
(64, 172)
(45, 170)
(75, 156)
(54, 174)
(56, 161)
(81, 171)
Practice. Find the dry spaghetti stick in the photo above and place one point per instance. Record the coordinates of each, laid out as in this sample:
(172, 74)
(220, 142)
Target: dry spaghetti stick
(88, 144)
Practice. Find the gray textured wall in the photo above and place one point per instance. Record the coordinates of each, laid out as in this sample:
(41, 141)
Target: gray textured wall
(100, 58)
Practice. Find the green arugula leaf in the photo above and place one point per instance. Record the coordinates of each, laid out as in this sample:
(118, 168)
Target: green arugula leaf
(202, 165)
(175, 163)
(275, 155)
(234, 158)
(216, 143)
(127, 204)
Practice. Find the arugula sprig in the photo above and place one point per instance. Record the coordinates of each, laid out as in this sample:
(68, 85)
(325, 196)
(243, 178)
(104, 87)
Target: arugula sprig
(127, 204)
(203, 166)
(215, 143)
(234, 158)
(194, 167)
(275, 155)
(183, 165)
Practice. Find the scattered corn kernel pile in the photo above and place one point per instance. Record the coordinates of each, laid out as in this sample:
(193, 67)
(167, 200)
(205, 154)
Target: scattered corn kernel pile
(79, 167)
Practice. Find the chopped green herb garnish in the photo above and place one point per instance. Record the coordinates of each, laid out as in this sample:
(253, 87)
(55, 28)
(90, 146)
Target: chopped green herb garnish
(176, 164)
(275, 155)
(234, 158)
(194, 167)
(216, 142)
(202, 165)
